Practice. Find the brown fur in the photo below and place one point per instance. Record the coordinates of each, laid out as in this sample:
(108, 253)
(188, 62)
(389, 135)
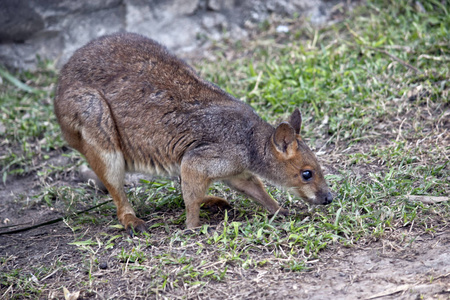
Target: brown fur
(127, 104)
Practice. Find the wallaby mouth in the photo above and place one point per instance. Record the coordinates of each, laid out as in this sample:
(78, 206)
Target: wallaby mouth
(328, 198)
(323, 199)
(319, 198)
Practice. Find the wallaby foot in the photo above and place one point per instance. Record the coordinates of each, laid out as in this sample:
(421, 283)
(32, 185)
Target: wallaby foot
(284, 212)
(133, 224)
(215, 204)
(88, 176)
(280, 212)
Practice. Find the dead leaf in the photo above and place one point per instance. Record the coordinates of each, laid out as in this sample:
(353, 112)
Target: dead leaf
(70, 296)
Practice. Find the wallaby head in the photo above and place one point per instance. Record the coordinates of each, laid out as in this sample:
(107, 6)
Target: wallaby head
(297, 166)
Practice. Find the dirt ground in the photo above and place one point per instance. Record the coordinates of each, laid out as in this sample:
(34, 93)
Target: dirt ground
(415, 267)
(405, 263)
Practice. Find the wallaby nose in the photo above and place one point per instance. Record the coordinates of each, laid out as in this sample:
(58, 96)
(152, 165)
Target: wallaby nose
(328, 198)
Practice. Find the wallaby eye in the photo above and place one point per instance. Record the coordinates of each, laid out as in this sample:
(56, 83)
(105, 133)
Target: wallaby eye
(307, 175)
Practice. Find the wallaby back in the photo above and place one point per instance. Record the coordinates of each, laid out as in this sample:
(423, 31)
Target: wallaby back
(127, 104)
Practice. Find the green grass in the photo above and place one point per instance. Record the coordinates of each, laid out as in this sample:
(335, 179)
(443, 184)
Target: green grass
(373, 90)
(26, 114)
(342, 72)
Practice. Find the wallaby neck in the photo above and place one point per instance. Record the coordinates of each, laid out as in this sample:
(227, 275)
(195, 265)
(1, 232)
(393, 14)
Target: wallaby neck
(260, 149)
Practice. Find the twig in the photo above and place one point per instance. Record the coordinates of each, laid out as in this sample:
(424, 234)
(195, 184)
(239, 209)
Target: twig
(364, 43)
(400, 130)
(50, 275)
(404, 63)
(391, 291)
(53, 221)
(9, 288)
(441, 276)
(258, 79)
(438, 58)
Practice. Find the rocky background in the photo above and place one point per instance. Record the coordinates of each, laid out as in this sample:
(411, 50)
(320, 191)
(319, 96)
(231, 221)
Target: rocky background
(53, 29)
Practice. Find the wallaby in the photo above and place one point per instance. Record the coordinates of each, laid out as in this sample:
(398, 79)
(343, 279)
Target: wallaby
(127, 104)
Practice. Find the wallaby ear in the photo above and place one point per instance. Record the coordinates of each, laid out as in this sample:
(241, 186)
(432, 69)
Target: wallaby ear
(296, 120)
(283, 137)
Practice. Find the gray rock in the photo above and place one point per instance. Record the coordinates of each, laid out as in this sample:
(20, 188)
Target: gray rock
(53, 29)
(219, 5)
(18, 21)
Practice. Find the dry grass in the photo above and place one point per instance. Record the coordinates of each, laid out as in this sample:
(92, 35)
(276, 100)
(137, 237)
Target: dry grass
(373, 89)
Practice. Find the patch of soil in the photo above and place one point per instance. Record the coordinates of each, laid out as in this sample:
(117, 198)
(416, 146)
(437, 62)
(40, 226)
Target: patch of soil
(382, 270)
(418, 268)
(18, 208)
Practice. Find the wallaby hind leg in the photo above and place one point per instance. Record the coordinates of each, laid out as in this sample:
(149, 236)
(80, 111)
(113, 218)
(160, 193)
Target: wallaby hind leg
(252, 186)
(90, 129)
(109, 167)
